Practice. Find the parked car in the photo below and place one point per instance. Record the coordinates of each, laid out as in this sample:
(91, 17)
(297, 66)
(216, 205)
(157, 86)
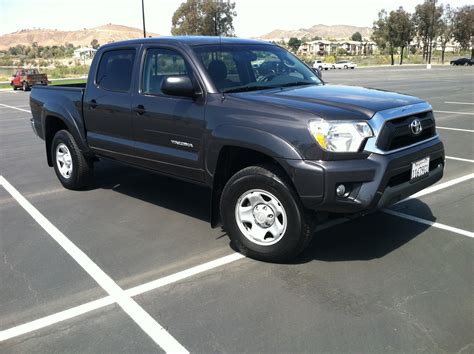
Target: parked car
(25, 78)
(320, 65)
(462, 61)
(344, 64)
(278, 148)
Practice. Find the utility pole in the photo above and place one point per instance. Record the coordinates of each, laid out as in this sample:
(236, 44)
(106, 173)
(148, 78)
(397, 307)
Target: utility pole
(143, 16)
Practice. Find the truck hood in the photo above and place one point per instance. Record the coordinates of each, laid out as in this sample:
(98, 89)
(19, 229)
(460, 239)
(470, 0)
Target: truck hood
(333, 101)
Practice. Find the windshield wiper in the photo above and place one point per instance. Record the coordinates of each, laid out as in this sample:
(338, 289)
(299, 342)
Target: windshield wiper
(296, 83)
(246, 88)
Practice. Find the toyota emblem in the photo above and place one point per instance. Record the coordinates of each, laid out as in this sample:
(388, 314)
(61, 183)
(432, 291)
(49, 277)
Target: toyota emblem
(416, 127)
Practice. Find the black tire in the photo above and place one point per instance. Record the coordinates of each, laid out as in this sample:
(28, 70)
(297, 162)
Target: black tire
(25, 86)
(82, 167)
(300, 221)
(14, 87)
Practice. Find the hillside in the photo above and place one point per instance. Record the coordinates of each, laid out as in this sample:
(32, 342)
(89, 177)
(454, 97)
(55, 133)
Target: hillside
(324, 31)
(49, 37)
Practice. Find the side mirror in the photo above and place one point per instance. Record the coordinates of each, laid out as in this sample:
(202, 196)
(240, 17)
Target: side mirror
(179, 86)
(318, 72)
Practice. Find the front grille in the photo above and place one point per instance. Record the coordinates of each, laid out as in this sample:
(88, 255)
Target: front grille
(396, 133)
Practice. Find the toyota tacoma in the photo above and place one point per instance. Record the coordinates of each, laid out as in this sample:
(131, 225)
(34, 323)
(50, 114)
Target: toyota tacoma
(278, 147)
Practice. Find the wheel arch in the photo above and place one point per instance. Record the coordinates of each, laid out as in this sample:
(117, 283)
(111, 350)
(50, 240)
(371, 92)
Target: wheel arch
(54, 123)
(54, 117)
(228, 157)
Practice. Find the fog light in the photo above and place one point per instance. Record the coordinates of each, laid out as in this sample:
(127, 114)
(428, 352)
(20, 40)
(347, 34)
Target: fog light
(341, 190)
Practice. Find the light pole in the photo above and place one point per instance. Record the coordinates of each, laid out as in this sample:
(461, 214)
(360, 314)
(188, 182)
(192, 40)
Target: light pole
(143, 17)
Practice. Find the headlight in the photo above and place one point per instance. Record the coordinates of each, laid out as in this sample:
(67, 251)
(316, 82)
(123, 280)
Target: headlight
(340, 136)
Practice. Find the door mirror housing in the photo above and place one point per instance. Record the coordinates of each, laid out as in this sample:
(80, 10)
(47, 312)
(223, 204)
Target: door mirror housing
(179, 86)
(318, 72)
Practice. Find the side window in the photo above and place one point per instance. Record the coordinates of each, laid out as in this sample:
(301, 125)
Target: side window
(222, 68)
(115, 70)
(159, 64)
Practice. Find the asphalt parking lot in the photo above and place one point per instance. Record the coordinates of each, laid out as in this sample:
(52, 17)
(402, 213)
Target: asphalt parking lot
(399, 280)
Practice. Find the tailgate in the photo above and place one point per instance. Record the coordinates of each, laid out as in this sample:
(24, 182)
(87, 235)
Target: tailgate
(37, 78)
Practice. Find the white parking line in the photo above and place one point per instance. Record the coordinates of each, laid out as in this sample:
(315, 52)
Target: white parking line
(440, 186)
(22, 105)
(130, 306)
(456, 129)
(458, 159)
(173, 278)
(451, 112)
(12, 107)
(451, 102)
(55, 318)
(430, 223)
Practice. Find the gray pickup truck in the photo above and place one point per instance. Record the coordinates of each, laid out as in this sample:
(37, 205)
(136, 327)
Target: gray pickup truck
(277, 146)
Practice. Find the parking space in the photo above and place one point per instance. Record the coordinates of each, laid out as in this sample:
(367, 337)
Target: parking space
(37, 277)
(377, 283)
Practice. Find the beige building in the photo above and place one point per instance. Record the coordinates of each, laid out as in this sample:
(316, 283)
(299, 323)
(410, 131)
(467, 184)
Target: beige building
(325, 47)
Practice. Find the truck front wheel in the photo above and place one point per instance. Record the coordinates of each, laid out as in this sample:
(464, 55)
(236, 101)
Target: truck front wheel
(263, 216)
(73, 169)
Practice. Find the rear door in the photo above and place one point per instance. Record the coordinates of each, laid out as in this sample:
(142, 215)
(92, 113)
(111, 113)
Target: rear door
(168, 129)
(107, 103)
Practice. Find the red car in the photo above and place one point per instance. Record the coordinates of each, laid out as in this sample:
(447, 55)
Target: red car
(25, 78)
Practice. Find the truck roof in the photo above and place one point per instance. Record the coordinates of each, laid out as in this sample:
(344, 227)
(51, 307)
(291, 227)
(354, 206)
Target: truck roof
(189, 40)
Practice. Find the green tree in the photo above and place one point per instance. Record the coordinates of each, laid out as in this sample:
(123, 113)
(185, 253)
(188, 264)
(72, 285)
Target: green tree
(95, 43)
(204, 17)
(427, 19)
(464, 27)
(294, 43)
(356, 37)
(446, 29)
(402, 29)
(186, 19)
(381, 34)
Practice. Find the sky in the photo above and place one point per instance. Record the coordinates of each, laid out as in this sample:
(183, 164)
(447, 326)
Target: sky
(254, 17)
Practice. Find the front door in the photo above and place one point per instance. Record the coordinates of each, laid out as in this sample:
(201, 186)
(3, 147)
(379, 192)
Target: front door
(168, 130)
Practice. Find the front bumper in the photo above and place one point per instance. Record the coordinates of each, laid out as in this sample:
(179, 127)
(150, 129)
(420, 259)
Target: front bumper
(374, 182)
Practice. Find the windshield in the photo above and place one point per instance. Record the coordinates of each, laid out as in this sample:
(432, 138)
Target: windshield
(237, 68)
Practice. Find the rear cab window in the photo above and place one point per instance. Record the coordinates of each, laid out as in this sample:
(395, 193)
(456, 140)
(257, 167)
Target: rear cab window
(115, 70)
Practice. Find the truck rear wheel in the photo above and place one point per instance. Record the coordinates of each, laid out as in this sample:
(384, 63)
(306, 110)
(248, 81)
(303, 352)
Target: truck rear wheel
(263, 215)
(73, 169)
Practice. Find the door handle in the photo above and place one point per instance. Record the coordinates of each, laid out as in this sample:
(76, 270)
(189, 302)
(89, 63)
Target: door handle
(93, 104)
(140, 109)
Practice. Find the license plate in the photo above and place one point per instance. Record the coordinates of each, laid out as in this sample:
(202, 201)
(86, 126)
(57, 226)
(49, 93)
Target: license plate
(420, 168)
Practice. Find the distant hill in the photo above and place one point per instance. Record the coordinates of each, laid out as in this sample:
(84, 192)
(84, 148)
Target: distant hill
(104, 34)
(324, 31)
